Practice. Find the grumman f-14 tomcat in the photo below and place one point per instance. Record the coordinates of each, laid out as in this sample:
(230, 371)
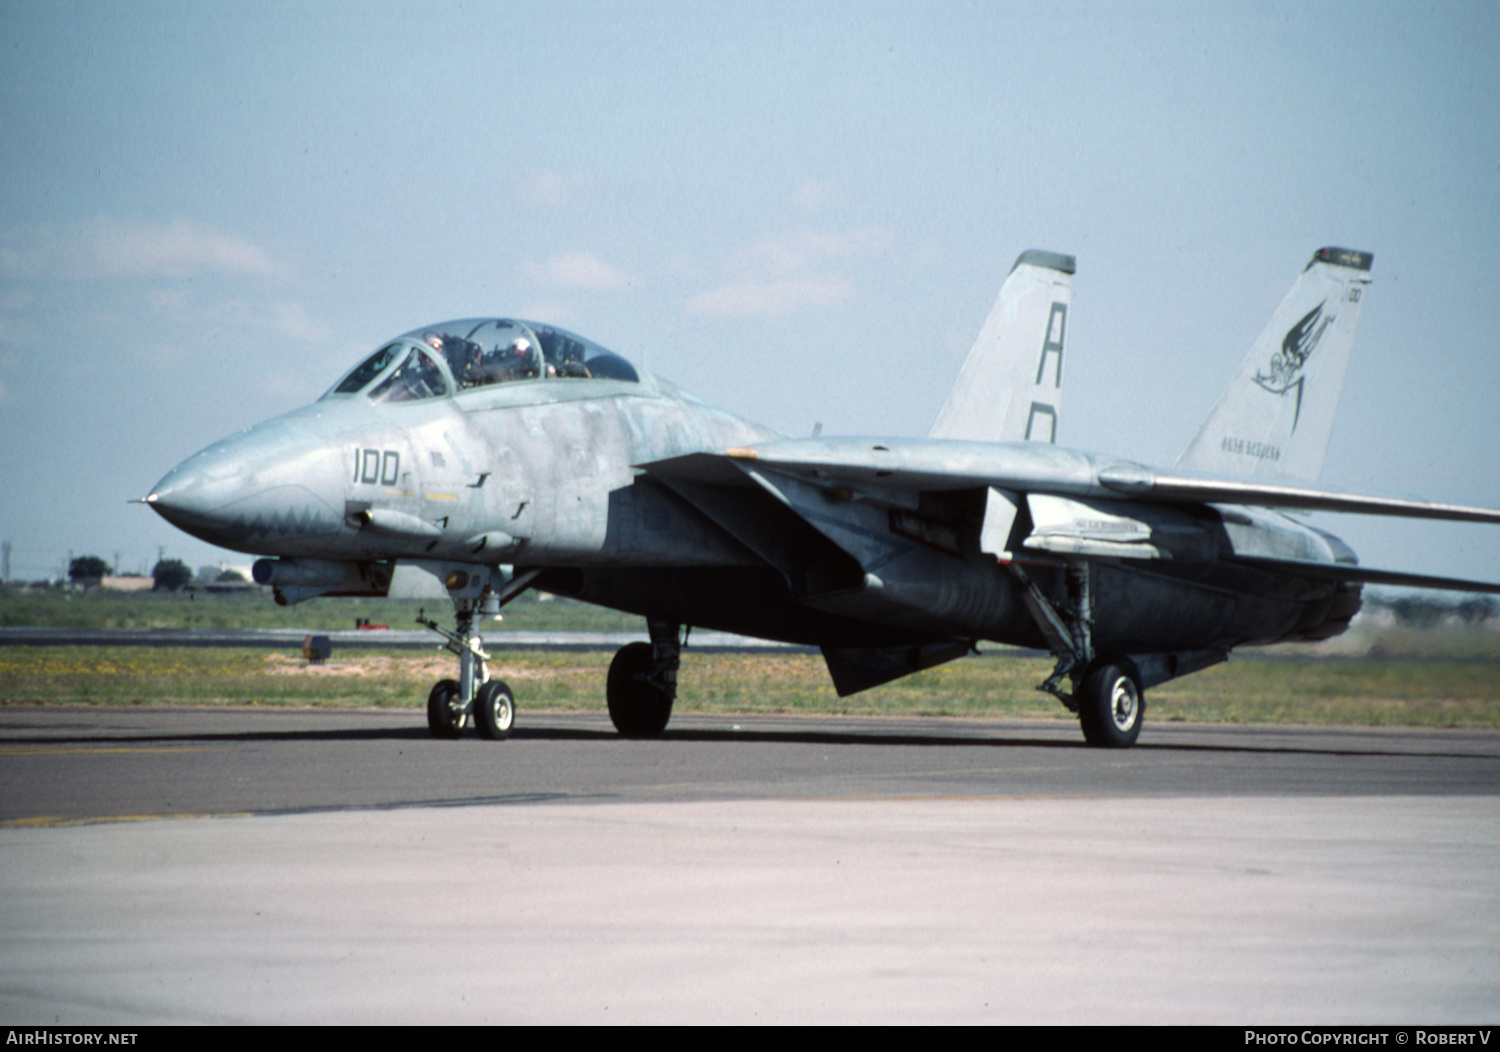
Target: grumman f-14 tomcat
(494, 455)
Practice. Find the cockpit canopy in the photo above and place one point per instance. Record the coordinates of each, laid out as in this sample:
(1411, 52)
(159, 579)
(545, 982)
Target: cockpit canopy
(457, 356)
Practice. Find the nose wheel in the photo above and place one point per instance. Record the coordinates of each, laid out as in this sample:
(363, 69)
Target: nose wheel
(473, 697)
(445, 712)
(494, 711)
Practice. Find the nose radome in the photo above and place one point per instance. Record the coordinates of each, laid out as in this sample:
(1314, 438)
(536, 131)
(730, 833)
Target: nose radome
(258, 491)
(189, 492)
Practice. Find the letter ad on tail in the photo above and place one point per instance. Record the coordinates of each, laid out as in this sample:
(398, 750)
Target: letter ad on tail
(1010, 386)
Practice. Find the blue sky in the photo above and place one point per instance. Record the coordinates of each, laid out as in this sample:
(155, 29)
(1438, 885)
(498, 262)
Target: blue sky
(801, 212)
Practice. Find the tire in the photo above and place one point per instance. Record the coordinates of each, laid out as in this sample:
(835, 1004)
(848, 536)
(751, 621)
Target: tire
(494, 711)
(1111, 707)
(442, 720)
(638, 709)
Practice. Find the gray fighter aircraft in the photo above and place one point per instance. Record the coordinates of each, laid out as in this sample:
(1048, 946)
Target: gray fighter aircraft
(490, 455)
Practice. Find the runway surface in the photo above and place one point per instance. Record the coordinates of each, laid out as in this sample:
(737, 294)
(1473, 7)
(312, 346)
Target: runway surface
(756, 869)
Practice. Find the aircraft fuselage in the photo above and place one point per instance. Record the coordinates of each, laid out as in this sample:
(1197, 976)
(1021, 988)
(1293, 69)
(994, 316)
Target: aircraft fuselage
(547, 474)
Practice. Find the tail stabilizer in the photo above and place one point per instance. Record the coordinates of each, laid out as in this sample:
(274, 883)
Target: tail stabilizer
(1010, 386)
(1276, 418)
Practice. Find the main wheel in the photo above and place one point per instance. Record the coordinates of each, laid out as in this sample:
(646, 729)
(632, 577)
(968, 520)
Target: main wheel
(638, 708)
(445, 717)
(494, 711)
(1110, 707)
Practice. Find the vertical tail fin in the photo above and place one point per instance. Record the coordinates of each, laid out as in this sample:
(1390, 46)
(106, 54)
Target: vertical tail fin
(1010, 386)
(1277, 415)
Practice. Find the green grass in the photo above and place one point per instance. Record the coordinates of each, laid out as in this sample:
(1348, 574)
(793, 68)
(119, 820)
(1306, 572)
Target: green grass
(148, 610)
(1408, 692)
(1370, 692)
(1375, 675)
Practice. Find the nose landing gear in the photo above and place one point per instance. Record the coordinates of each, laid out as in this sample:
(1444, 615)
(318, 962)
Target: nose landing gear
(473, 697)
(452, 703)
(446, 714)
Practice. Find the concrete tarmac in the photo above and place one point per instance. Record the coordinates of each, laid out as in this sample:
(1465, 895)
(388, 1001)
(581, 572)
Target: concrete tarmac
(747, 870)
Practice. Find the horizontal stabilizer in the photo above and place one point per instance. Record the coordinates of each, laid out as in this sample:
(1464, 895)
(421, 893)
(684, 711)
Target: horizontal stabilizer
(1351, 573)
(854, 669)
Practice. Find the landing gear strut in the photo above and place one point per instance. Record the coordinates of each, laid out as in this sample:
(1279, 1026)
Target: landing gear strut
(453, 701)
(643, 682)
(1106, 695)
(473, 696)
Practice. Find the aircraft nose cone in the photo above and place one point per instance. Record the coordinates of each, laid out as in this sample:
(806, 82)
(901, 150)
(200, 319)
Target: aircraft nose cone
(264, 491)
(188, 500)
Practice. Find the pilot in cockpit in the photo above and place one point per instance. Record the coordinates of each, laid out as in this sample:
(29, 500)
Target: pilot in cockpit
(572, 367)
(516, 360)
(564, 356)
(463, 356)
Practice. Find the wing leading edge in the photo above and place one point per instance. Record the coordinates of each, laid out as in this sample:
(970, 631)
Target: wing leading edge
(916, 465)
(1080, 505)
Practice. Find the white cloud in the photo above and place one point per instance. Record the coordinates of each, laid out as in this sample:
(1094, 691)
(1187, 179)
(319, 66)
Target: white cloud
(812, 195)
(109, 248)
(799, 251)
(554, 312)
(583, 270)
(287, 318)
(173, 302)
(773, 298)
(292, 319)
(790, 272)
(546, 187)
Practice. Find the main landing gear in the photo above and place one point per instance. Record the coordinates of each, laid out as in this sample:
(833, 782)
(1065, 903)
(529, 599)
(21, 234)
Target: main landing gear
(473, 697)
(1110, 705)
(1107, 694)
(642, 682)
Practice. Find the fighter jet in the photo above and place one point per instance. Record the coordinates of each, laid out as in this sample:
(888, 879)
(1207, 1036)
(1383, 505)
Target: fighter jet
(486, 456)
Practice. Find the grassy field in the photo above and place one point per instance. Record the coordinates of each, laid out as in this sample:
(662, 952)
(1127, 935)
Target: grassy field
(1403, 691)
(146, 610)
(1378, 674)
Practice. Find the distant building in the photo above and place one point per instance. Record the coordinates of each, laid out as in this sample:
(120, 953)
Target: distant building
(127, 583)
(215, 574)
